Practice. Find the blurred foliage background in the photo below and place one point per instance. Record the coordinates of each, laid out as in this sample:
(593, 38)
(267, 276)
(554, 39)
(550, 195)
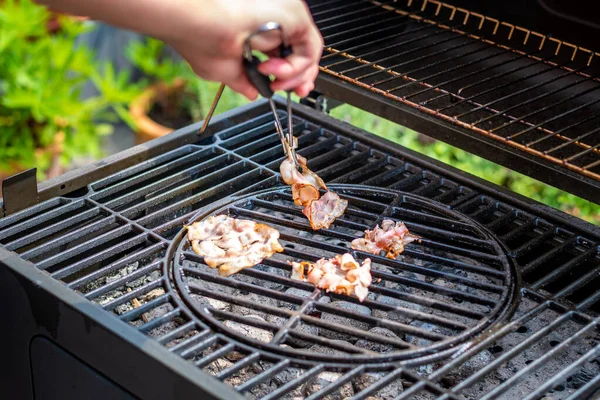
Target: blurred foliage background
(45, 66)
(471, 163)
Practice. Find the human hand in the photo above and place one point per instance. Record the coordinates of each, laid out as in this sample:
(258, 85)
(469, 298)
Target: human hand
(215, 51)
(210, 35)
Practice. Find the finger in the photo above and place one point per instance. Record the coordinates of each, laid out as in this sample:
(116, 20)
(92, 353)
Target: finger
(243, 86)
(305, 89)
(306, 53)
(307, 76)
(266, 41)
(233, 75)
(280, 68)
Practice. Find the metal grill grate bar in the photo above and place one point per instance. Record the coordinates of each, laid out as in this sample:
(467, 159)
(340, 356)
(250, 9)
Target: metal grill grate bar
(589, 302)
(10, 221)
(470, 350)
(47, 230)
(130, 259)
(177, 333)
(144, 308)
(337, 384)
(535, 264)
(579, 283)
(155, 323)
(247, 361)
(389, 378)
(117, 202)
(205, 340)
(39, 220)
(263, 376)
(563, 269)
(110, 236)
(92, 294)
(345, 20)
(587, 390)
(444, 72)
(205, 336)
(204, 197)
(239, 300)
(563, 374)
(374, 24)
(108, 253)
(132, 295)
(504, 386)
(363, 64)
(205, 181)
(318, 322)
(518, 57)
(396, 75)
(337, 8)
(353, 49)
(532, 244)
(276, 394)
(533, 339)
(559, 116)
(223, 351)
(434, 304)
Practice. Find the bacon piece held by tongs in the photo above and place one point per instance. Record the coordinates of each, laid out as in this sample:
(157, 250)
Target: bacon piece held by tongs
(232, 244)
(341, 274)
(320, 211)
(391, 237)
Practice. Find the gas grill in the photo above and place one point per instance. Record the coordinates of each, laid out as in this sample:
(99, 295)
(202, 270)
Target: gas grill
(104, 297)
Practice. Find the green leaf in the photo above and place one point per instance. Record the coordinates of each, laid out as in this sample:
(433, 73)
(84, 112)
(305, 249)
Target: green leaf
(104, 129)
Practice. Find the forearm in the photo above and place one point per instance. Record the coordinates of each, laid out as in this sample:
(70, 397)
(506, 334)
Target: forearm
(166, 20)
(210, 34)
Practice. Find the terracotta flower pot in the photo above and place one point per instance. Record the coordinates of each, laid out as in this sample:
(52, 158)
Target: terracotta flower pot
(147, 128)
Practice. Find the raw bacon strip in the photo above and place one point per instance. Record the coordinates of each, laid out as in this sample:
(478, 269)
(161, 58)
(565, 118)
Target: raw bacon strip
(305, 185)
(391, 238)
(341, 274)
(320, 211)
(232, 244)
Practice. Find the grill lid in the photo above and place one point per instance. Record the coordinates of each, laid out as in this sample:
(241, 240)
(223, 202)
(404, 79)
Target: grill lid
(527, 101)
(442, 291)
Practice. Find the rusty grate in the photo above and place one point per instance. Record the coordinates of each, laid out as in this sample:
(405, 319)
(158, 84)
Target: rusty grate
(532, 92)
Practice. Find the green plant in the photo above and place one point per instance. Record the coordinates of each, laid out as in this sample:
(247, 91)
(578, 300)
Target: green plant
(470, 163)
(41, 79)
(149, 56)
(117, 91)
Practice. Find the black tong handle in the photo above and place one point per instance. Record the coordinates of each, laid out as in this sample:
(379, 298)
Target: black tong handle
(261, 82)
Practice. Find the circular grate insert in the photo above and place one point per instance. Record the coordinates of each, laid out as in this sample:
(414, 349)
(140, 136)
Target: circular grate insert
(444, 290)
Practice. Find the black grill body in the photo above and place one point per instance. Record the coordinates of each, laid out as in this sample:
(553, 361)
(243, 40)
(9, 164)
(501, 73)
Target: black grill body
(72, 265)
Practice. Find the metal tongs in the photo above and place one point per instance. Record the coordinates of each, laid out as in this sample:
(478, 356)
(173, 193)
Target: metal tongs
(262, 84)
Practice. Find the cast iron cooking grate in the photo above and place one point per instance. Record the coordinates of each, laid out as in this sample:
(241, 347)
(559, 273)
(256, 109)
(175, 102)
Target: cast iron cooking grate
(445, 289)
(529, 91)
(111, 244)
